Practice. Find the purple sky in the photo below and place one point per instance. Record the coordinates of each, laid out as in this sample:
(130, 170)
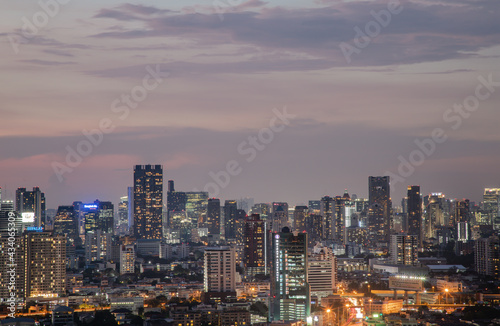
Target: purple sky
(224, 69)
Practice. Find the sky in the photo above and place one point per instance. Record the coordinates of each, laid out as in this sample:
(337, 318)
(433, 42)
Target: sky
(274, 100)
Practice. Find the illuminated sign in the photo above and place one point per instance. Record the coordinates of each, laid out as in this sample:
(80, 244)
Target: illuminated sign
(406, 283)
(34, 229)
(28, 217)
(90, 206)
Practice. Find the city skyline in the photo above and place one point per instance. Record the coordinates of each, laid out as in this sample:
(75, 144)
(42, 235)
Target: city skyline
(203, 79)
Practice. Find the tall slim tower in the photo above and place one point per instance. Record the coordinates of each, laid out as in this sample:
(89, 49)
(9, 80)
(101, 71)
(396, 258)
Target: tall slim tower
(213, 216)
(379, 213)
(300, 218)
(415, 213)
(491, 204)
(254, 252)
(289, 284)
(230, 212)
(148, 201)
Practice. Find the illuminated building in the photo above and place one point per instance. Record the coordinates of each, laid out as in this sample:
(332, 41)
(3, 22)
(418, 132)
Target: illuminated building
(279, 215)
(487, 256)
(379, 213)
(97, 246)
(219, 270)
(196, 206)
(98, 215)
(315, 228)
(300, 218)
(66, 223)
(491, 204)
(415, 212)
(127, 259)
(31, 206)
(44, 264)
(122, 224)
(290, 299)
(327, 209)
(255, 253)
(437, 214)
(404, 249)
(230, 214)
(339, 226)
(148, 201)
(213, 216)
(322, 273)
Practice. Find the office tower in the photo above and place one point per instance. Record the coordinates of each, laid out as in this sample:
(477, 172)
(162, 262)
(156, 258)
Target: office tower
(9, 215)
(404, 249)
(315, 228)
(462, 211)
(127, 259)
(66, 223)
(130, 192)
(220, 270)
(240, 227)
(263, 209)
(121, 223)
(327, 210)
(196, 206)
(339, 233)
(279, 215)
(230, 211)
(491, 204)
(98, 246)
(300, 218)
(254, 252)
(176, 200)
(290, 299)
(379, 214)
(31, 206)
(148, 201)
(213, 216)
(322, 272)
(45, 264)
(245, 203)
(98, 215)
(315, 206)
(9, 261)
(414, 212)
(180, 225)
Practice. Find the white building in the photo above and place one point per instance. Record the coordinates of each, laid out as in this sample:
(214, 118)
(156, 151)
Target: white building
(127, 259)
(220, 270)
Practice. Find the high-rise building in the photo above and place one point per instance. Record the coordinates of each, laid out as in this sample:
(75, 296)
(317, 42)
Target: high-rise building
(322, 272)
(121, 224)
(9, 215)
(491, 204)
(148, 201)
(98, 215)
(404, 249)
(213, 216)
(436, 214)
(176, 200)
(263, 209)
(290, 298)
(127, 259)
(414, 212)
(255, 253)
(487, 256)
(196, 206)
(315, 228)
(45, 264)
(300, 218)
(31, 206)
(327, 210)
(220, 270)
(379, 214)
(66, 223)
(230, 211)
(279, 215)
(462, 211)
(339, 232)
(98, 246)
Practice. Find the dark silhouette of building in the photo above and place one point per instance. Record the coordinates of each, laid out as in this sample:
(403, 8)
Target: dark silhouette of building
(148, 201)
(379, 213)
(415, 213)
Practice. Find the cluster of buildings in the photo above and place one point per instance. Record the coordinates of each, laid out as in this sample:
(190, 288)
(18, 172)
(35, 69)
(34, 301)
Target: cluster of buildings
(287, 258)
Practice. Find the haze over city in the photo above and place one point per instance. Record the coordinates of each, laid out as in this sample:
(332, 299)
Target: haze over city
(223, 70)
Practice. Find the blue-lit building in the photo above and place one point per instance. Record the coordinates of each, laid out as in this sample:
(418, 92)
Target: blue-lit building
(289, 285)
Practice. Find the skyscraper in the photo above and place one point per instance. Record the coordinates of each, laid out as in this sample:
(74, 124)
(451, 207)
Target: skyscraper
(220, 270)
(300, 218)
(289, 285)
(404, 249)
(230, 211)
(327, 209)
(339, 226)
(213, 216)
(148, 201)
(31, 206)
(66, 223)
(379, 213)
(322, 272)
(279, 215)
(254, 252)
(415, 213)
(491, 204)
